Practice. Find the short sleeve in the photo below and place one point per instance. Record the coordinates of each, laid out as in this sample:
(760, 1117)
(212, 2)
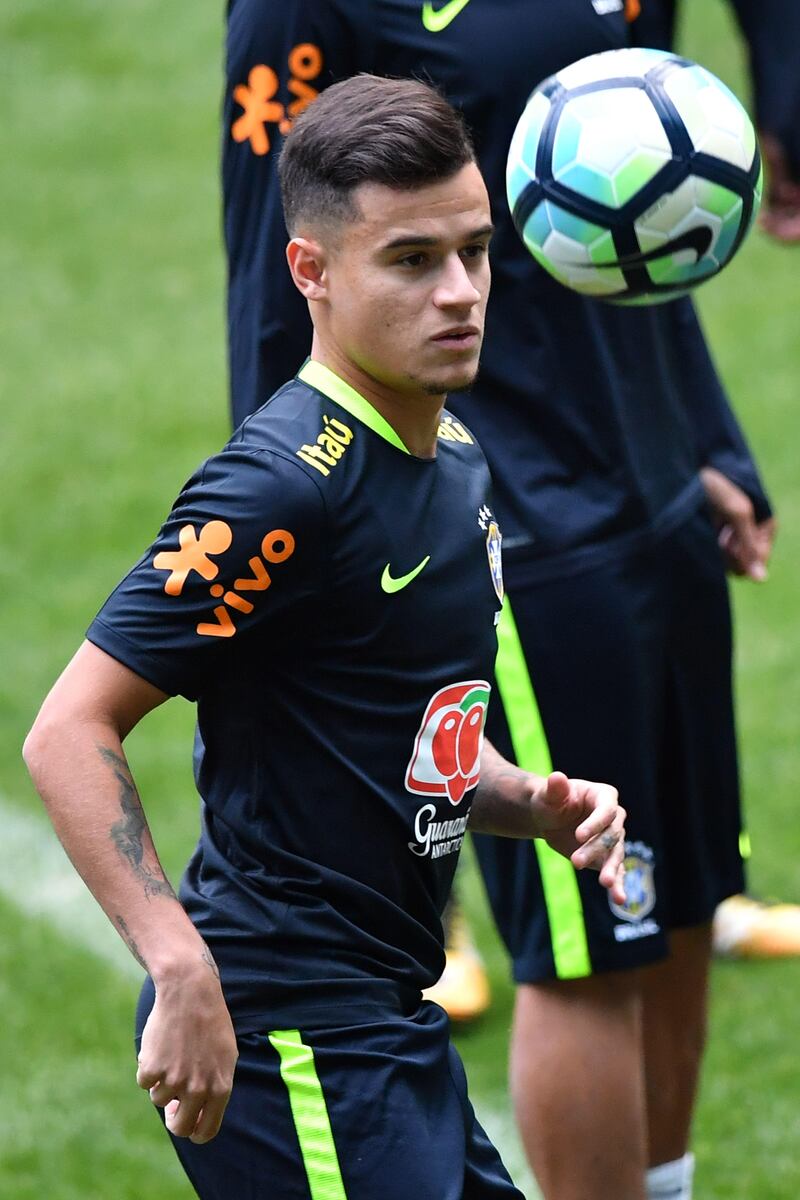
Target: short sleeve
(242, 544)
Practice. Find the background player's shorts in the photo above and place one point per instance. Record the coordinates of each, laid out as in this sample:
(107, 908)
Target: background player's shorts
(630, 662)
(376, 1111)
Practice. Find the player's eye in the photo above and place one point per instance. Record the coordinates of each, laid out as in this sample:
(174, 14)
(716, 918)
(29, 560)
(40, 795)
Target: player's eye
(417, 259)
(475, 251)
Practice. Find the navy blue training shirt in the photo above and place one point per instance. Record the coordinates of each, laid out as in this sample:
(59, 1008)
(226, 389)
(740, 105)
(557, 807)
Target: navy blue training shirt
(330, 601)
(594, 419)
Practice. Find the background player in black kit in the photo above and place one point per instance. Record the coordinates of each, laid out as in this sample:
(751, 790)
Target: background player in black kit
(327, 589)
(609, 437)
(744, 926)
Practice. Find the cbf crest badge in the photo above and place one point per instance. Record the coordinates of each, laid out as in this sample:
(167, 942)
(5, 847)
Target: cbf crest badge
(494, 542)
(639, 883)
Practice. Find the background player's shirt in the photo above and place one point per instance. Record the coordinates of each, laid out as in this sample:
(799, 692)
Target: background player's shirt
(330, 601)
(594, 418)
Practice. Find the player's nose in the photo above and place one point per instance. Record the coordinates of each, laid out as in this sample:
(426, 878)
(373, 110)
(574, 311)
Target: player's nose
(456, 287)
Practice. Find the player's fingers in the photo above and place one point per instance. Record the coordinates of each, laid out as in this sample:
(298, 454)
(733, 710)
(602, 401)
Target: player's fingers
(744, 543)
(612, 875)
(557, 788)
(766, 532)
(210, 1119)
(604, 845)
(746, 558)
(731, 549)
(181, 1118)
(162, 1093)
(146, 1077)
(603, 799)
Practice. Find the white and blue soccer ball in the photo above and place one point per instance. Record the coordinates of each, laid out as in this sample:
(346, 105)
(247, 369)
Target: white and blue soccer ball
(633, 175)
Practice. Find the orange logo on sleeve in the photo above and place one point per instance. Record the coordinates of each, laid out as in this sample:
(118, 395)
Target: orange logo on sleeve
(257, 97)
(214, 538)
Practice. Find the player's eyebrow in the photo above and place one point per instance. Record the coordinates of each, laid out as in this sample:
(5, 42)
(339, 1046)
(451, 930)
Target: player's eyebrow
(404, 240)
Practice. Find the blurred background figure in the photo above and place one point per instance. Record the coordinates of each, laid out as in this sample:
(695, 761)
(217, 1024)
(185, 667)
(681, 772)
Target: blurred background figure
(746, 927)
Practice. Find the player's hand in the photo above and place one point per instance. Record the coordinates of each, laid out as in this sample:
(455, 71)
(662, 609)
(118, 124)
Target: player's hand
(585, 822)
(745, 543)
(189, 1053)
(780, 215)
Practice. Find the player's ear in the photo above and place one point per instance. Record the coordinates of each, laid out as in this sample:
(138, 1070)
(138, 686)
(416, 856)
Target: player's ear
(307, 260)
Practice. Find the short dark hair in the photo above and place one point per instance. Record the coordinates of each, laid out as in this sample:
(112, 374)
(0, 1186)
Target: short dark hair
(397, 132)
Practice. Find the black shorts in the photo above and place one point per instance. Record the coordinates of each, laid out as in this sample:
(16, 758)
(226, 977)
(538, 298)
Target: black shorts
(630, 664)
(375, 1110)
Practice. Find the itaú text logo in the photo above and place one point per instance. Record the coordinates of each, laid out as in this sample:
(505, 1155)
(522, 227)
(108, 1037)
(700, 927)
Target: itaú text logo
(447, 750)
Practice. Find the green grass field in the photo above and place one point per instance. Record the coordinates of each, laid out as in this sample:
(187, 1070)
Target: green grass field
(112, 376)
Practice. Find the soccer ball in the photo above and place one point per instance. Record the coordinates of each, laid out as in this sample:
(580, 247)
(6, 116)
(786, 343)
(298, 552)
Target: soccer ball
(633, 175)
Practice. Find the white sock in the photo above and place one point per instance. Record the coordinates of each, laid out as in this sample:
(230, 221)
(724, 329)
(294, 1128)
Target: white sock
(671, 1180)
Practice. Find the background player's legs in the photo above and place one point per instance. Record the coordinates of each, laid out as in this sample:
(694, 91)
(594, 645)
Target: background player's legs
(674, 1019)
(654, 716)
(578, 1086)
(592, 1120)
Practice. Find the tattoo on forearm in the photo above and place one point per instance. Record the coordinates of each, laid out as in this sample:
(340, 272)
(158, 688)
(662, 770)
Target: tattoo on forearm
(129, 940)
(497, 781)
(208, 959)
(128, 833)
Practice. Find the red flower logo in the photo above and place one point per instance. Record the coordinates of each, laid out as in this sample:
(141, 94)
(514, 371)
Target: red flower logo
(447, 749)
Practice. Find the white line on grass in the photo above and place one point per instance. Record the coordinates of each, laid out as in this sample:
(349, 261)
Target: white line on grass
(37, 877)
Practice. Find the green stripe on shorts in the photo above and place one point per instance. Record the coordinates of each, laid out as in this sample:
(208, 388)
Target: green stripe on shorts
(310, 1114)
(561, 894)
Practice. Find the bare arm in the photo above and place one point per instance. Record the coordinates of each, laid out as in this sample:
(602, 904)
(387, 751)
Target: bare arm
(75, 757)
(581, 820)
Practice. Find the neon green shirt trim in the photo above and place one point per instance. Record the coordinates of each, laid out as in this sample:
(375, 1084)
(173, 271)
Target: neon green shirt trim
(326, 381)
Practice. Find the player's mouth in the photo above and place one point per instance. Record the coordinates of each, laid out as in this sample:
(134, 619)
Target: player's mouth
(461, 337)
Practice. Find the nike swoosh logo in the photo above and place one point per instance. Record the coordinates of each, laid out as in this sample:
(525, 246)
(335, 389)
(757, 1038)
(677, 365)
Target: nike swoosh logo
(698, 240)
(437, 19)
(391, 585)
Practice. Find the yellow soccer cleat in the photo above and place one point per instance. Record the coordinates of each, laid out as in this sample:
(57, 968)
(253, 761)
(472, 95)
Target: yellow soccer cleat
(746, 928)
(463, 988)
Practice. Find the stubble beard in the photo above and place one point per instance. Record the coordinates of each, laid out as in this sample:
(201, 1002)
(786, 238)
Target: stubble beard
(431, 388)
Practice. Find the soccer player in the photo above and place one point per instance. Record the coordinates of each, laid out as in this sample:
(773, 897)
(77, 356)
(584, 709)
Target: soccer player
(745, 927)
(617, 464)
(327, 589)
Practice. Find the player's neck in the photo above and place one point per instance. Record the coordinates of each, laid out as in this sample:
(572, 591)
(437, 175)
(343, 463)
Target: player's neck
(414, 417)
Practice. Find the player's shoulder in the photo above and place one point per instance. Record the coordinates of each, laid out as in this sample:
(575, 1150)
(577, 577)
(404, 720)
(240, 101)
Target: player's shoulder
(303, 424)
(289, 416)
(257, 468)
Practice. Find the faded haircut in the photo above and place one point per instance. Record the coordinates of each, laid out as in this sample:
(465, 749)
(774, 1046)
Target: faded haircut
(397, 132)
